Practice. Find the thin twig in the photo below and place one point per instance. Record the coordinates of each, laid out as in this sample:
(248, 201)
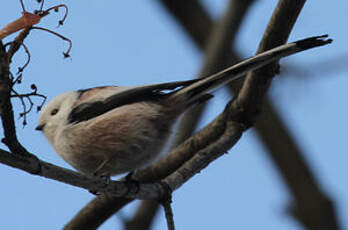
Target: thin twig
(20, 69)
(55, 8)
(22, 4)
(66, 54)
(24, 113)
(26, 23)
(42, 4)
(28, 96)
(168, 214)
(18, 41)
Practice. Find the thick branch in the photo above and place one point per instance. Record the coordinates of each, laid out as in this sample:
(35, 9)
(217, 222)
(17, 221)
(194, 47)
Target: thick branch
(285, 152)
(106, 205)
(193, 18)
(175, 181)
(266, 127)
(313, 208)
(143, 218)
(15, 147)
(197, 22)
(6, 111)
(207, 154)
(116, 188)
(217, 51)
(120, 189)
(102, 207)
(277, 33)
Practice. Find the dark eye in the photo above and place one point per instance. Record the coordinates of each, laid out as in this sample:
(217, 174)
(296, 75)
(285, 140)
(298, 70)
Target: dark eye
(54, 112)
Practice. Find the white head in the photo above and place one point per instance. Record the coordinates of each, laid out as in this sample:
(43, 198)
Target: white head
(55, 114)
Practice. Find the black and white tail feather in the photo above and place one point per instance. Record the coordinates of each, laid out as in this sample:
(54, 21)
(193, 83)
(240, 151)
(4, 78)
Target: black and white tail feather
(193, 91)
(236, 71)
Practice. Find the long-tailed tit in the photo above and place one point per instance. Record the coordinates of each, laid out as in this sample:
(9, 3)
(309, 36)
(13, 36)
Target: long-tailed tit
(111, 130)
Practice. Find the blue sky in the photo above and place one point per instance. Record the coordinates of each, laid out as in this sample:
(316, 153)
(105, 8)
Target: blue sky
(137, 42)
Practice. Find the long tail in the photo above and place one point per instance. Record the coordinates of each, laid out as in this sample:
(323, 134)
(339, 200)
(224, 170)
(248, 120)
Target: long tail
(192, 92)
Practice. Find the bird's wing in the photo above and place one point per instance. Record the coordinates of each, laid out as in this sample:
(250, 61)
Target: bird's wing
(96, 101)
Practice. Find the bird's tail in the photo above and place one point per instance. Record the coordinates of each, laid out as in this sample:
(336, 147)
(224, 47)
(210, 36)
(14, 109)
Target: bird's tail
(195, 90)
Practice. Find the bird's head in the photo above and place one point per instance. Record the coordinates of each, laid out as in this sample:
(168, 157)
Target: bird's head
(55, 114)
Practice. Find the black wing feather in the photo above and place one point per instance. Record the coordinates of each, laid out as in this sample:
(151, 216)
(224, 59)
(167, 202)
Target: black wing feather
(89, 110)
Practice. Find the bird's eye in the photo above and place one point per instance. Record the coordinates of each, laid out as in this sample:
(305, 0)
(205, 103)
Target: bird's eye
(54, 112)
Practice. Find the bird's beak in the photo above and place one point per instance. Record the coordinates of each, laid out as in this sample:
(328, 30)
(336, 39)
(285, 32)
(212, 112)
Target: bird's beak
(40, 127)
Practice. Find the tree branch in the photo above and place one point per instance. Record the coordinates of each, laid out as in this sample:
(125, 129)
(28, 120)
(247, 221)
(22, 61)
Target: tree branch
(168, 211)
(143, 218)
(215, 149)
(266, 130)
(6, 111)
(207, 154)
(216, 51)
(285, 152)
(195, 20)
(116, 188)
(313, 207)
(15, 146)
(67, 176)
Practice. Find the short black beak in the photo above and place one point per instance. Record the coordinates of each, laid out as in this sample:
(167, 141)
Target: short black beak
(40, 127)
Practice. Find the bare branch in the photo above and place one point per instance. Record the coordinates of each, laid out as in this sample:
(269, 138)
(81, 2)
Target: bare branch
(175, 181)
(169, 214)
(20, 69)
(28, 97)
(22, 4)
(308, 195)
(284, 136)
(56, 9)
(26, 23)
(6, 111)
(217, 51)
(67, 53)
(127, 189)
(285, 152)
(143, 218)
(231, 118)
(238, 70)
(247, 106)
(195, 21)
(193, 18)
(16, 44)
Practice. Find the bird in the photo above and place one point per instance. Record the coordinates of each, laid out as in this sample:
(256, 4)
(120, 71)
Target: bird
(110, 130)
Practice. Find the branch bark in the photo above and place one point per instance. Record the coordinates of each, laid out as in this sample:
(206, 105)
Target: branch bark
(232, 119)
(216, 41)
(132, 189)
(6, 111)
(265, 127)
(285, 153)
(144, 216)
(313, 208)
(33, 165)
(243, 103)
(218, 55)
